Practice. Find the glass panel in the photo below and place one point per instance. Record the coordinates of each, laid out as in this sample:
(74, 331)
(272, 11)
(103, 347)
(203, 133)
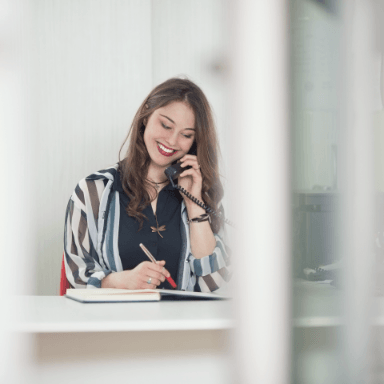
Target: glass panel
(315, 61)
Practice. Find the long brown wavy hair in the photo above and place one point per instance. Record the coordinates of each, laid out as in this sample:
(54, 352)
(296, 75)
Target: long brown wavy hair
(134, 166)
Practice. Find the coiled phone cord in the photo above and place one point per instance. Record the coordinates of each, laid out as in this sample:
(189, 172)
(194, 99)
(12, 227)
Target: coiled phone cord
(202, 205)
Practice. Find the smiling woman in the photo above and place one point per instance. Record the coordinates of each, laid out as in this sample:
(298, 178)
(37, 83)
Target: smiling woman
(114, 210)
(162, 135)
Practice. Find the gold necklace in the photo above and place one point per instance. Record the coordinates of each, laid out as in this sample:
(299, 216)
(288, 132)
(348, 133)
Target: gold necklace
(162, 228)
(158, 229)
(157, 183)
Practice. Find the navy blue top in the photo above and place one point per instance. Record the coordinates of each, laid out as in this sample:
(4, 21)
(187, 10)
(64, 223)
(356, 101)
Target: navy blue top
(166, 248)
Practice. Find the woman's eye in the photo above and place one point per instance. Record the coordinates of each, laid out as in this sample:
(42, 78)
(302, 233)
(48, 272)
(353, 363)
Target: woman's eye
(166, 127)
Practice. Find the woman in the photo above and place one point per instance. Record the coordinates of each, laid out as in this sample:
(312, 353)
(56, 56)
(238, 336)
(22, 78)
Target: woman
(114, 210)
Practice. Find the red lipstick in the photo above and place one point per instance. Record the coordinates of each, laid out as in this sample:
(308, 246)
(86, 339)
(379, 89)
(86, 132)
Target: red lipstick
(168, 154)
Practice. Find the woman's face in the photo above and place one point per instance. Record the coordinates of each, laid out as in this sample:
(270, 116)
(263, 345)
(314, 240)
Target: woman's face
(169, 133)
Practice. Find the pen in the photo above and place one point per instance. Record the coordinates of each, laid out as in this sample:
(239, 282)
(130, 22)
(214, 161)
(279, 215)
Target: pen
(149, 254)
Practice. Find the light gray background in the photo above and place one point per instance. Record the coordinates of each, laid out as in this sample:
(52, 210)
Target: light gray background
(90, 65)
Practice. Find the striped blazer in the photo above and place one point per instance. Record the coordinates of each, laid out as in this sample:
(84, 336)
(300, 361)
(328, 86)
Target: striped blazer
(91, 240)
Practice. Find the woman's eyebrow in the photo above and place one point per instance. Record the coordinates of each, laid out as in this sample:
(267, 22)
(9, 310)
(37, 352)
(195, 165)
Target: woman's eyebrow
(193, 129)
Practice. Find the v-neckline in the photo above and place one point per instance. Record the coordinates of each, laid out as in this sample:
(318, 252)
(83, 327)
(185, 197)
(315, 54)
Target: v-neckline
(154, 209)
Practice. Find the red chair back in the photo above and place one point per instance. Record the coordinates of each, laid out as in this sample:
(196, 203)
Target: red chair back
(64, 284)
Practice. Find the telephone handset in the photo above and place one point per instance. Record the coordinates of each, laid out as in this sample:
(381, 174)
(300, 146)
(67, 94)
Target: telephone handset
(173, 173)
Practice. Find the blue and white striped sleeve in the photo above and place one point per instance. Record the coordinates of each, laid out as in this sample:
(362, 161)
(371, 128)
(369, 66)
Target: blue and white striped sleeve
(84, 268)
(214, 270)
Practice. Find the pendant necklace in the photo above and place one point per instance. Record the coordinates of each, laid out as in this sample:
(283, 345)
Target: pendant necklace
(157, 183)
(157, 228)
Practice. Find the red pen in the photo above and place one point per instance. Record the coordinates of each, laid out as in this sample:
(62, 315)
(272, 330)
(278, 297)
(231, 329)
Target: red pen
(149, 254)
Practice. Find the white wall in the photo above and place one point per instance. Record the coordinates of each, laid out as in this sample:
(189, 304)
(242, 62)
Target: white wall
(190, 38)
(91, 63)
(90, 66)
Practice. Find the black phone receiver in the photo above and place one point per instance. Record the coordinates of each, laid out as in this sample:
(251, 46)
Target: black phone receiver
(193, 150)
(173, 173)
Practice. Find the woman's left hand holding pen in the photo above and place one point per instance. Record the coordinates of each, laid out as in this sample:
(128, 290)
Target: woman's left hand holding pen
(146, 275)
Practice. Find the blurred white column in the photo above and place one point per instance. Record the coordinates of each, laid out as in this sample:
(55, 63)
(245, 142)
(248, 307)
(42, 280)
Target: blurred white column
(16, 191)
(357, 183)
(260, 193)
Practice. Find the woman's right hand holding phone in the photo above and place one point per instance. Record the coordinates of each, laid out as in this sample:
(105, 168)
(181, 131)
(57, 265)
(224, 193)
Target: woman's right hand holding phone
(138, 277)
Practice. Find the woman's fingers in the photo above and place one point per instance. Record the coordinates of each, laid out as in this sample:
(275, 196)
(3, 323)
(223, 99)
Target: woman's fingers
(195, 171)
(146, 275)
(165, 272)
(192, 162)
(152, 281)
(149, 286)
(188, 157)
(195, 174)
(156, 275)
(159, 268)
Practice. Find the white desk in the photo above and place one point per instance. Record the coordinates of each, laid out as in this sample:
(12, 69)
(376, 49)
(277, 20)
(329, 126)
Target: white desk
(316, 305)
(157, 342)
(153, 342)
(47, 314)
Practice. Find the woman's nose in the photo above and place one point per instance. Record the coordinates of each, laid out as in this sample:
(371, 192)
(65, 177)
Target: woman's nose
(172, 139)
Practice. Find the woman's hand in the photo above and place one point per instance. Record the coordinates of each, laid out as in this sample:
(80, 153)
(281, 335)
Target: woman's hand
(203, 241)
(138, 277)
(191, 179)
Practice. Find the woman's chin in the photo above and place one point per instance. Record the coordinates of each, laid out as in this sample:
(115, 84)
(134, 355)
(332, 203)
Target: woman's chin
(164, 162)
(160, 165)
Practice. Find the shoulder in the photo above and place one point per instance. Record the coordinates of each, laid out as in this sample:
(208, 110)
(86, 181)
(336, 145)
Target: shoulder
(104, 174)
(91, 188)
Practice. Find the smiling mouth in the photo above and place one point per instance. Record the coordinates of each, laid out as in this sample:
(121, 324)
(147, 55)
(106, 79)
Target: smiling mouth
(165, 151)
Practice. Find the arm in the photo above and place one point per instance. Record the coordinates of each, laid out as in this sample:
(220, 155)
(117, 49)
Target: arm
(201, 236)
(84, 269)
(209, 258)
(214, 269)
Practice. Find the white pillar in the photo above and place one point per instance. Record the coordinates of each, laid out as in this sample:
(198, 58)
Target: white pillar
(260, 192)
(357, 185)
(16, 191)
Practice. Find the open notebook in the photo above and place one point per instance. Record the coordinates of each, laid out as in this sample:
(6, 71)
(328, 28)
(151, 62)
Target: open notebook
(112, 295)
